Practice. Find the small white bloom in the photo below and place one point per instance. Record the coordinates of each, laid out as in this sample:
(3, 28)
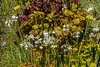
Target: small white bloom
(36, 42)
(40, 47)
(58, 40)
(68, 29)
(40, 39)
(29, 44)
(26, 36)
(94, 19)
(6, 21)
(77, 36)
(37, 37)
(62, 9)
(53, 32)
(30, 37)
(13, 17)
(36, 46)
(90, 9)
(65, 45)
(65, 6)
(77, 32)
(65, 49)
(53, 46)
(45, 33)
(96, 29)
(51, 42)
(56, 30)
(26, 48)
(9, 25)
(26, 45)
(64, 29)
(62, 46)
(21, 45)
(64, 25)
(82, 31)
(52, 38)
(69, 48)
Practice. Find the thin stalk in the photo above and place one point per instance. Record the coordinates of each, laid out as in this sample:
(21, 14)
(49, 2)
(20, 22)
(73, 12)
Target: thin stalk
(35, 19)
(70, 56)
(19, 28)
(84, 36)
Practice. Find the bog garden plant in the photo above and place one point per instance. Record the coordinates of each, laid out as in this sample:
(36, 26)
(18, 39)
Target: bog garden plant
(53, 33)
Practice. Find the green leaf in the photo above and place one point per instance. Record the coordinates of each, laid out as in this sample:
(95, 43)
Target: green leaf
(97, 57)
(35, 27)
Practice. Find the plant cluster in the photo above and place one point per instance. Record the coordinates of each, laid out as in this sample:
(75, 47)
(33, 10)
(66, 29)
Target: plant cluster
(54, 35)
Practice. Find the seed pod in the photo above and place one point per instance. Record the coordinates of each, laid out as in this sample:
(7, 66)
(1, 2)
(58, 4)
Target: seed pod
(65, 55)
(35, 33)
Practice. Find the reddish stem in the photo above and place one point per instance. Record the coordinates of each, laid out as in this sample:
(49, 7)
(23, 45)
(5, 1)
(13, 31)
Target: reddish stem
(82, 23)
(68, 4)
(75, 2)
(94, 14)
(55, 23)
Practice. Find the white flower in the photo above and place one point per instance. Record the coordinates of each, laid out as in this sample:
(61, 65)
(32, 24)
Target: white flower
(58, 40)
(63, 46)
(21, 45)
(36, 42)
(51, 42)
(37, 37)
(65, 6)
(13, 17)
(26, 48)
(40, 47)
(68, 29)
(94, 19)
(90, 9)
(82, 31)
(69, 48)
(53, 46)
(36, 46)
(52, 38)
(96, 29)
(77, 36)
(9, 25)
(62, 9)
(30, 37)
(26, 36)
(45, 33)
(26, 45)
(40, 39)
(56, 30)
(64, 29)
(6, 22)
(77, 32)
(64, 25)
(29, 44)
(65, 49)
(53, 32)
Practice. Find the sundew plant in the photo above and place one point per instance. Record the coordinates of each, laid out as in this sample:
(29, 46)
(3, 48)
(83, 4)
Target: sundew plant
(51, 33)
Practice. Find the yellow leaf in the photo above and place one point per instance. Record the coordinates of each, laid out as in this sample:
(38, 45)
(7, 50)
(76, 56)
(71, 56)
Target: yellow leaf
(16, 7)
(92, 65)
(89, 17)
